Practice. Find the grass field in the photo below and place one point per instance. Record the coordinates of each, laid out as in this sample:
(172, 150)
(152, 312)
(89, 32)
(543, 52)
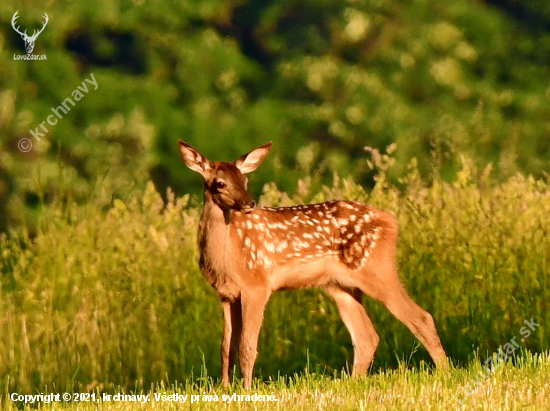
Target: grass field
(108, 296)
(525, 386)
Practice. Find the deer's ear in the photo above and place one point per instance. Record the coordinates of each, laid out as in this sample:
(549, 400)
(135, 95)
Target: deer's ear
(251, 161)
(193, 159)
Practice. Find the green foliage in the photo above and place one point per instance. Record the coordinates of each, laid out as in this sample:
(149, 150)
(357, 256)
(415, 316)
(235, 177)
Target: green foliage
(109, 294)
(99, 286)
(228, 76)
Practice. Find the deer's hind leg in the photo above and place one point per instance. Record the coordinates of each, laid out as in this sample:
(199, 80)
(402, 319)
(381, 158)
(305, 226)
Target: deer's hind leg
(419, 321)
(363, 335)
(379, 280)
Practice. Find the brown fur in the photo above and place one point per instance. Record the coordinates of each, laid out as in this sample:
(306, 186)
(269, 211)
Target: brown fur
(344, 247)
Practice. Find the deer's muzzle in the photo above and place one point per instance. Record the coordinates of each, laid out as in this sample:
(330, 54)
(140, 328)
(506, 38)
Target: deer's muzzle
(246, 206)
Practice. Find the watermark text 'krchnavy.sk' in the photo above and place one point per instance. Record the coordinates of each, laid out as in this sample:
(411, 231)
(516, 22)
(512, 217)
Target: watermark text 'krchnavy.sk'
(494, 361)
(78, 94)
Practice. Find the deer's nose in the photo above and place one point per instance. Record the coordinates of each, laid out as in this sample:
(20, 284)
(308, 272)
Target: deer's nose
(247, 205)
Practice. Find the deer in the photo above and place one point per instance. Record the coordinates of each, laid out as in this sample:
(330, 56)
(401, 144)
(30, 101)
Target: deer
(29, 40)
(344, 247)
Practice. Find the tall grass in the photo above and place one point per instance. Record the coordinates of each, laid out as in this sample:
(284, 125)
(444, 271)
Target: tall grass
(109, 296)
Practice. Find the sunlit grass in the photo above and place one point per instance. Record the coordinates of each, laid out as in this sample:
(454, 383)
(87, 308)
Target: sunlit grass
(109, 294)
(525, 387)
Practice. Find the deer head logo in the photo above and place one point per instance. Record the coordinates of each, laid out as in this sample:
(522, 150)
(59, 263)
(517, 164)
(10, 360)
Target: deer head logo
(29, 40)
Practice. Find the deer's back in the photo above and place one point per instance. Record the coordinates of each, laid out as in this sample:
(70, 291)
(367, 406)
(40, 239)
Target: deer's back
(346, 231)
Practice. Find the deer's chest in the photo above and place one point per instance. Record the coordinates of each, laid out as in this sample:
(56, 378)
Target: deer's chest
(217, 259)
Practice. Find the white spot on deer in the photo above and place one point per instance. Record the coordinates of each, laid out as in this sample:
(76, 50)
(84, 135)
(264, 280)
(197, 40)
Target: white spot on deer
(375, 237)
(352, 218)
(357, 229)
(247, 242)
(343, 221)
(249, 224)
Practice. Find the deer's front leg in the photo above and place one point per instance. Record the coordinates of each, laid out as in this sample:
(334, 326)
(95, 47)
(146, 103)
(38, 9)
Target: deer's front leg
(231, 335)
(253, 303)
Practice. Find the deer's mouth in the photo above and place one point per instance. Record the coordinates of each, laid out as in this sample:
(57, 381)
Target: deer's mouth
(243, 206)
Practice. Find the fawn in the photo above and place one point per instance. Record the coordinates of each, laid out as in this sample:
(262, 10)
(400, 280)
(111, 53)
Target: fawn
(247, 252)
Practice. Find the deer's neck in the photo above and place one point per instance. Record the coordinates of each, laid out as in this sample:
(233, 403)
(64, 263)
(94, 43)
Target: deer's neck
(217, 259)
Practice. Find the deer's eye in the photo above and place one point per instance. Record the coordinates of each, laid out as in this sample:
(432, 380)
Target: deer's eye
(220, 185)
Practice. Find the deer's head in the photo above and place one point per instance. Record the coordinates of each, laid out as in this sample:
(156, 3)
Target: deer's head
(29, 40)
(226, 183)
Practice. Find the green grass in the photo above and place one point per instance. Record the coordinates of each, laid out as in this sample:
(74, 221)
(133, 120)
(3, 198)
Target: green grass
(108, 294)
(521, 387)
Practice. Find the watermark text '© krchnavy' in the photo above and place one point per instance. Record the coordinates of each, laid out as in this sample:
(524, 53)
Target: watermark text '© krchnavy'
(39, 132)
